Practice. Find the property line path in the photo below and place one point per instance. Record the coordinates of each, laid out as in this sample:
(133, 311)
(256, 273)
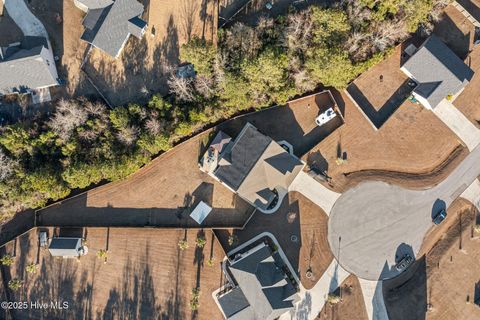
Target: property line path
(24, 18)
(314, 191)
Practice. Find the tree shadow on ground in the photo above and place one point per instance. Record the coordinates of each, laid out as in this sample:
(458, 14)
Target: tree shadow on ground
(141, 70)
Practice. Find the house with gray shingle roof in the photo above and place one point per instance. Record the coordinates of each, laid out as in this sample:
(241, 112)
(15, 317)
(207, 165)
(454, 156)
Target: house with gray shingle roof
(259, 287)
(108, 24)
(438, 71)
(27, 66)
(254, 166)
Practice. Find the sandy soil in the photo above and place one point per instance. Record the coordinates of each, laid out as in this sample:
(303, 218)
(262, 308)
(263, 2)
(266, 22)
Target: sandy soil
(453, 272)
(298, 217)
(146, 274)
(145, 64)
(352, 305)
(10, 32)
(467, 102)
(409, 148)
(382, 81)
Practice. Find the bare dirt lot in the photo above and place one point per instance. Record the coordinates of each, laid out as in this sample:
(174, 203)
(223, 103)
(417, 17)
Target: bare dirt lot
(384, 88)
(297, 217)
(144, 65)
(352, 305)
(467, 102)
(445, 278)
(413, 148)
(146, 275)
(459, 33)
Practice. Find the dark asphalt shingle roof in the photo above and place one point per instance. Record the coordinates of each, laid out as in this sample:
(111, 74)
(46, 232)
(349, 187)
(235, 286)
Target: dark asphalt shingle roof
(27, 67)
(254, 165)
(438, 70)
(234, 302)
(263, 283)
(242, 156)
(108, 28)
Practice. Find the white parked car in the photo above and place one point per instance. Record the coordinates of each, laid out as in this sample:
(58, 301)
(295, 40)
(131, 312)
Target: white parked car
(326, 116)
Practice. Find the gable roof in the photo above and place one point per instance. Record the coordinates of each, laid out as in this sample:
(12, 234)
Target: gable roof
(263, 284)
(438, 70)
(254, 165)
(27, 69)
(240, 158)
(108, 28)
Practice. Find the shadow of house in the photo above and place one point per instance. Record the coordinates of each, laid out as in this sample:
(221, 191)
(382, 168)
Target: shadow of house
(448, 30)
(406, 295)
(75, 212)
(378, 116)
(290, 130)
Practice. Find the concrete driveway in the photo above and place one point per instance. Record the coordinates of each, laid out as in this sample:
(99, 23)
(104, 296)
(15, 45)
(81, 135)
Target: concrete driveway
(315, 191)
(374, 224)
(458, 123)
(24, 18)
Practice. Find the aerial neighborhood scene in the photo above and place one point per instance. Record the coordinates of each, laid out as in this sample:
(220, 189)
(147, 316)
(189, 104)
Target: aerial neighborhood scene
(240, 159)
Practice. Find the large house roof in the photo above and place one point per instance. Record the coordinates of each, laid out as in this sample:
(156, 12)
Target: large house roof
(438, 70)
(263, 284)
(254, 165)
(25, 68)
(108, 28)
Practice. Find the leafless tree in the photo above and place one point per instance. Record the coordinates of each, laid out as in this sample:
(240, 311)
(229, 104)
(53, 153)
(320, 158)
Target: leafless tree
(358, 46)
(181, 88)
(303, 81)
(7, 166)
(68, 116)
(205, 86)
(153, 125)
(388, 33)
(128, 135)
(298, 32)
(95, 108)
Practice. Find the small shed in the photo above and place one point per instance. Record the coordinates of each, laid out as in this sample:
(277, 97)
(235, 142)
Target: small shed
(200, 212)
(66, 247)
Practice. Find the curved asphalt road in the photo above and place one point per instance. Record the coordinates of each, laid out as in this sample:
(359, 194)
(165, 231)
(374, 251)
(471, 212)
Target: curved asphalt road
(372, 223)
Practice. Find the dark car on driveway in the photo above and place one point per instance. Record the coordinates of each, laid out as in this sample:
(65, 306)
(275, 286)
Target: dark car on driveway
(439, 216)
(404, 263)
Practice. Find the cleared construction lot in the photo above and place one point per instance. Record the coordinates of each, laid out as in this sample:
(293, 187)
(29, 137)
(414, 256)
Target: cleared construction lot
(146, 274)
(145, 65)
